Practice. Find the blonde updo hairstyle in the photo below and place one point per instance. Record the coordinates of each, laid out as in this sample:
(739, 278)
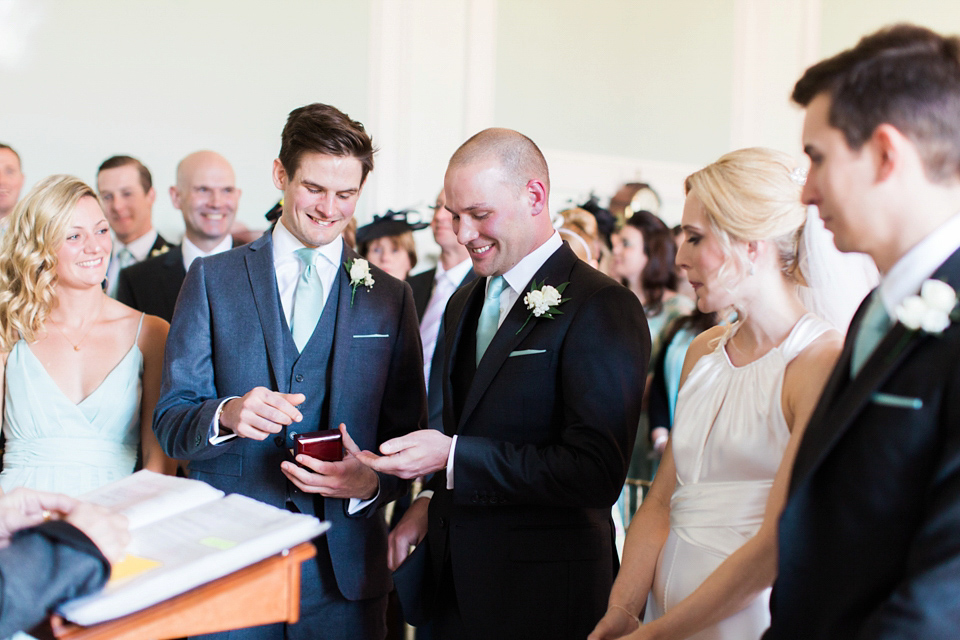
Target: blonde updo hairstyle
(28, 256)
(753, 195)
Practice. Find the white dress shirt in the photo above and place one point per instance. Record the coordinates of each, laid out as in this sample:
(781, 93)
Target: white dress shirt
(918, 264)
(191, 251)
(445, 283)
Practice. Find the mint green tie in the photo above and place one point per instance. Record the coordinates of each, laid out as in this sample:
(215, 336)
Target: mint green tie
(307, 299)
(489, 316)
(875, 325)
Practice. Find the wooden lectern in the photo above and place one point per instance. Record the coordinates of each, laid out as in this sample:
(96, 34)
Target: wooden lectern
(263, 593)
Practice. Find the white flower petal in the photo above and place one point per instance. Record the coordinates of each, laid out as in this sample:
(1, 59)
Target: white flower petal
(938, 295)
(911, 312)
(935, 321)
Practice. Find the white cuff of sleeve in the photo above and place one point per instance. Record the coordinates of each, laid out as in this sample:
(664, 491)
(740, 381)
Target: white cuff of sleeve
(215, 437)
(426, 493)
(356, 504)
(453, 446)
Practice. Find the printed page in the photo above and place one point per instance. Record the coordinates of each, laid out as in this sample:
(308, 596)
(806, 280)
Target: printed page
(192, 548)
(146, 497)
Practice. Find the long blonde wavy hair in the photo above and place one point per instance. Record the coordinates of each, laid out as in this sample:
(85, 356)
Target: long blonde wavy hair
(28, 256)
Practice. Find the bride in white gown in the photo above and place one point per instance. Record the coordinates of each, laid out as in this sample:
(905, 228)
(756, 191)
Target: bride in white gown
(701, 551)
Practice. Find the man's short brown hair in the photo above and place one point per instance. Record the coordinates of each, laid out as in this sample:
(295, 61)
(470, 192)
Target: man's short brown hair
(146, 180)
(903, 75)
(320, 128)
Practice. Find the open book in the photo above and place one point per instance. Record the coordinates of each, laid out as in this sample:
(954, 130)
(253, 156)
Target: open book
(184, 534)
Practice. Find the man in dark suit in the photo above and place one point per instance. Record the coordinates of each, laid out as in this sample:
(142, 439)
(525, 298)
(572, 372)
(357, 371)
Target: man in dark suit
(869, 540)
(540, 414)
(431, 292)
(126, 189)
(206, 194)
(45, 562)
(295, 333)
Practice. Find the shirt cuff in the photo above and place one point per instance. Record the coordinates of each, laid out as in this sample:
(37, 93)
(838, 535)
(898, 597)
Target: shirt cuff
(426, 493)
(453, 446)
(357, 505)
(215, 436)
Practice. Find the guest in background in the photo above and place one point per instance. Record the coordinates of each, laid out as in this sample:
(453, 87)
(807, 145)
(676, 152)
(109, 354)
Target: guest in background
(44, 562)
(126, 190)
(206, 194)
(643, 258)
(82, 370)
(431, 291)
(606, 225)
(11, 181)
(579, 230)
(388, 243)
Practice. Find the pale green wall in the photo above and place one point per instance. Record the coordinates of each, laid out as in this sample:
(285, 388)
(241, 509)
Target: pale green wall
(844, 22)
(645, 78)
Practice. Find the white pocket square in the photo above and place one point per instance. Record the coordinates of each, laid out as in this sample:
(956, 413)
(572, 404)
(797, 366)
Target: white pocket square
(373, 335)
(901, 402)
(526, 352)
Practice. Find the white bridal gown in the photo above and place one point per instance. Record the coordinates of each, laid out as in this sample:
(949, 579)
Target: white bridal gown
(728, 440)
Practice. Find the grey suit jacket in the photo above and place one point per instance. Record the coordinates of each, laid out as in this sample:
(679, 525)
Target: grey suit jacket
(44, 567)
(227, 338)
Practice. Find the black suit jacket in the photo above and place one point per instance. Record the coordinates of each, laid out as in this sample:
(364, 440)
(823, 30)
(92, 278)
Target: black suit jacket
(546, 425)
(869, 541)
(152, 286)
(422, 286)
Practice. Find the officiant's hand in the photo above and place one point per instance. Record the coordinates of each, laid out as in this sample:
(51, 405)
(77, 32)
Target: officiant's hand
(414, 455)
(408, 533)
(345, 479)
(261, 412)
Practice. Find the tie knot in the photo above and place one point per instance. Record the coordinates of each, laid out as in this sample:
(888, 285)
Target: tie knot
(495, 287)
(307, 255)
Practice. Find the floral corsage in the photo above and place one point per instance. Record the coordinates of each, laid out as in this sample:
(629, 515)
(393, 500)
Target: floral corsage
(932, 311)
(542, 300)
(359, 270)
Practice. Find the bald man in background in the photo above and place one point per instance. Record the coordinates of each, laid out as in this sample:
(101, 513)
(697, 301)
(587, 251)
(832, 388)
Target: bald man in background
(207, 196)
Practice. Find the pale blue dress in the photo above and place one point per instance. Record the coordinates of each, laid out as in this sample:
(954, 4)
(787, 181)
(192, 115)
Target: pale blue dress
(53, 444)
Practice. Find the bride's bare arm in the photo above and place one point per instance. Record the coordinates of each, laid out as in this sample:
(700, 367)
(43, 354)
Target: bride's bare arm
(753, 567)
(153, 338)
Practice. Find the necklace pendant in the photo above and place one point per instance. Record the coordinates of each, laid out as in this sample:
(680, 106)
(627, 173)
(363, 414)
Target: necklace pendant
(76, 347)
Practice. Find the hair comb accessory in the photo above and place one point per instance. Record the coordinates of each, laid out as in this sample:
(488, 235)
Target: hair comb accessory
(799, 176)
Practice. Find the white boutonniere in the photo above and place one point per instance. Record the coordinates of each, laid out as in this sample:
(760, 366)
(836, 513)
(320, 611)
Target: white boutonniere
(542, 300)
(359, 270)
(159, 252)
(932, 311)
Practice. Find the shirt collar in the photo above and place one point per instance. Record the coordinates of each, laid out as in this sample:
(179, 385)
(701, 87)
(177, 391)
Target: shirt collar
(520, 275)
(456, 273)
(139, 248)
(285, 244)
(191, 251)
(918, 264)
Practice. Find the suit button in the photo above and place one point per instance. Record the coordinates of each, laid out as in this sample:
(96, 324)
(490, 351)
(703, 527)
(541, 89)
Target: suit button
(199, 439)
(299, 377)
(278, 440)
(442, 522)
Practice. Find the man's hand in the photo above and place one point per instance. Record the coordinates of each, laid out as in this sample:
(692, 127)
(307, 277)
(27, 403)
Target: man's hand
(109, 531)
(345, 479)
(261, 412)
(22, 508)
(409, 532)
(411, 456)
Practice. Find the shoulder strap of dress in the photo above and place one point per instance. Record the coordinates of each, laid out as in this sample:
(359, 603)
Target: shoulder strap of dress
(136, 340)
(808, 328)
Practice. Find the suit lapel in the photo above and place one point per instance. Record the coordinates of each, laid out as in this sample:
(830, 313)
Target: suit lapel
(844, 399)
(515, 327)
(173, 278)
(263, 282)
(343, 332)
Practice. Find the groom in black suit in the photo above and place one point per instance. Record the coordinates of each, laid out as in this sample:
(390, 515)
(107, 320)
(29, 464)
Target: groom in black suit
(869, 541)
(539, 415)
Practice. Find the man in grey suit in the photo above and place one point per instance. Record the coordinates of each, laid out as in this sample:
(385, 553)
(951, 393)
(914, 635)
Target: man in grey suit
(295, 333)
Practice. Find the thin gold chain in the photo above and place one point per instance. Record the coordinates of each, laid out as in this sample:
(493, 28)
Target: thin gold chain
(76, 347)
